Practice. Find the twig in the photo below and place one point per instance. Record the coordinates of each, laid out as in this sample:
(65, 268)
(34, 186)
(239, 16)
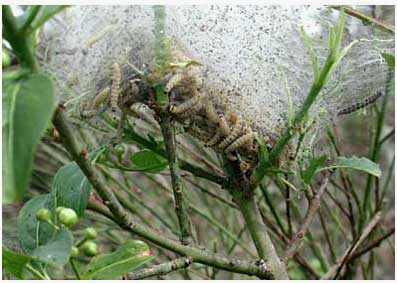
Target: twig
(334, 271)
(297, 239)
(167, 130)
(327, 235)
(126, 222)
(284, 238)
(365, 18)
(373, 244)
(201, 173)
(160, 269)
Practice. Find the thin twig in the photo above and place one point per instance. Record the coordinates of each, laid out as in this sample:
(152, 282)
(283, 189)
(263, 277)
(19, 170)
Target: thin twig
(160, 269)
(334, 271)
(297, 239)
(365, 18)
(373, 244)
(168, 132)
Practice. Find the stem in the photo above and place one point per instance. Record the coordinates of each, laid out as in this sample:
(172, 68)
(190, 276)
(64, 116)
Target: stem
(127, 223)
(18, 41)
(32, 15)
(74, 267)
(260, 235)
(35, 272)
(168, 132)
(160, 269)
(365, 18)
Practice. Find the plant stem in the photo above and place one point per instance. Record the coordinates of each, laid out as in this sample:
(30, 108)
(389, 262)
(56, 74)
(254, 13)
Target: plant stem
(35, 272)
(160, 269)
(260, 235)
(168, 132)
(127, 223)
(74, 267)
(18, 41)
(32, 15)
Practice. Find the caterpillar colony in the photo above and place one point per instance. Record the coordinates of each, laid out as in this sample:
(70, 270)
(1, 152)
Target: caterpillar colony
(202, 115)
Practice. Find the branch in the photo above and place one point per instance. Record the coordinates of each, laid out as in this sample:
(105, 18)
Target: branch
(334, 271)
(297, 239)
(365, 18)
(201, 173)
(259, 234)
(284, 238)
(375, 243)
(125, 221)
(160, 269)
(167, 130)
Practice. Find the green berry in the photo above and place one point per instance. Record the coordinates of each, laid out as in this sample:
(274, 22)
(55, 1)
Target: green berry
(90, 248)
(5, 60)
(74, 252)
(67, 217)
(90, 233)
(44, 215)
(120, 149)
(103, 157)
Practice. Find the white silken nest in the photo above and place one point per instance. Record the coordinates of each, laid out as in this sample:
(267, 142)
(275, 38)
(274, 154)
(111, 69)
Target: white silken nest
(255, 55)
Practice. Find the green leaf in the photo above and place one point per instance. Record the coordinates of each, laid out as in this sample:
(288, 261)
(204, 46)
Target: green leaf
(147, 160)
(14, 263)
(27, 106)
(314, 164)
(390, 60)
(31, 232)
(126, 258)
(57, 250)
(71, 188)
(361, 164)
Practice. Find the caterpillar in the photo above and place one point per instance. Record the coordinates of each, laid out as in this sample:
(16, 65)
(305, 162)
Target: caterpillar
(224, 126)
(235, 132)
(245, 140)
(101, 98)
(189, 106)
(359, 105)
(115, 89)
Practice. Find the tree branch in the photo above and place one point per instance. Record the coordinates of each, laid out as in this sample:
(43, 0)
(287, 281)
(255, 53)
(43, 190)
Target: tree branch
(125, 221)
(334, 271)
(160, 269)
(167, 130)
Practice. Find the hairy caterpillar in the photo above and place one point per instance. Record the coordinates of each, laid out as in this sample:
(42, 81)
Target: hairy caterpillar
(359, 105)
(189, 106)
(115, 89)
(245, 140)
(101, 98)
(235, 132)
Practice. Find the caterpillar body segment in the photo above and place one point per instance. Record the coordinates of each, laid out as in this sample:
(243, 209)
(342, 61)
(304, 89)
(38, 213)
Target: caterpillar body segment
(245, 140)
(173, 82)
(359, 105)
(215, 139)
(234, 134)
(101, 98)
(115, 88)
(224, 126)
(186, 106)
(211, 114)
